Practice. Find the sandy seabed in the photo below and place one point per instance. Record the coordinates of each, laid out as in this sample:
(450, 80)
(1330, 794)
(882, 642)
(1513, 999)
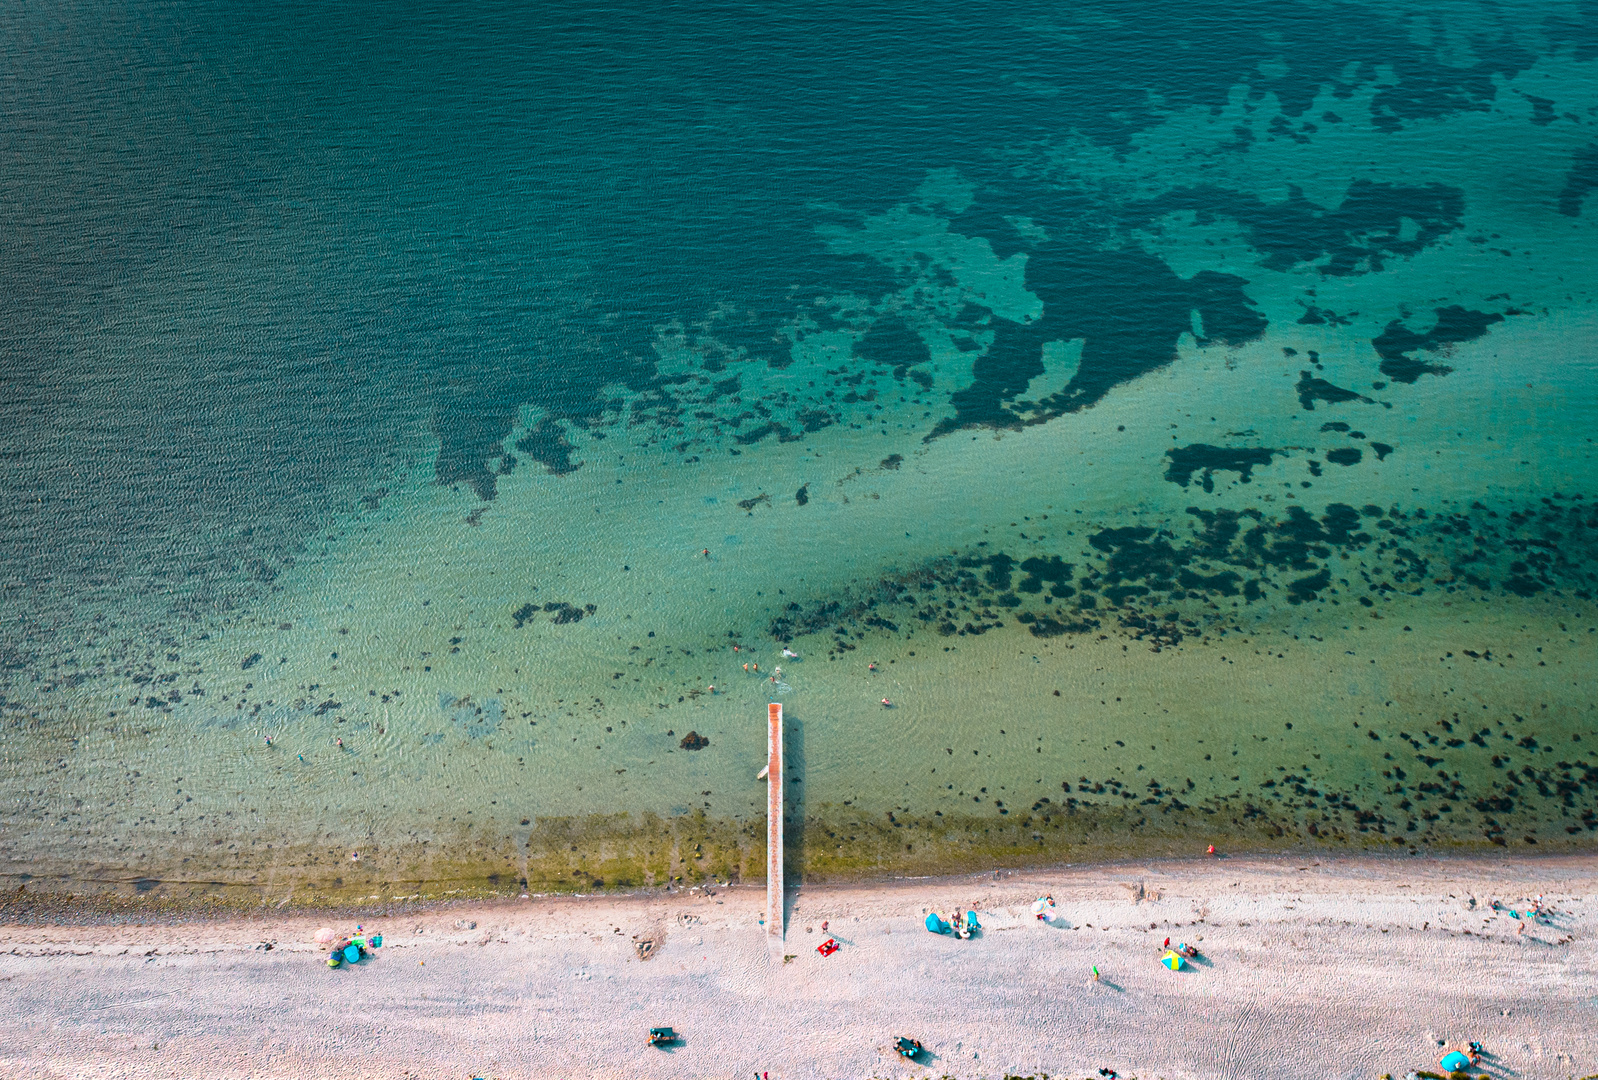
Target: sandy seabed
(1311, 967)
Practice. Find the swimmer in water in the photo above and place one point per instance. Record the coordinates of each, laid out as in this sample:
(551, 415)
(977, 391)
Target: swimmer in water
(746, 667)
(871, 666)
(790, 654)
(886, 704)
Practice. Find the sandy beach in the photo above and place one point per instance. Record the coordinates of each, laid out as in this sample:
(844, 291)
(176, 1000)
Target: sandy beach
(1308, 967)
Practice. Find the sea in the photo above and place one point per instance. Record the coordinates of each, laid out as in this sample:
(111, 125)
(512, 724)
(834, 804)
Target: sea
(431, 434)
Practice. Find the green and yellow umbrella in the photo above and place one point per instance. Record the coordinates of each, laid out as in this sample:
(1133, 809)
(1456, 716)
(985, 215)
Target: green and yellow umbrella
(1172, 960)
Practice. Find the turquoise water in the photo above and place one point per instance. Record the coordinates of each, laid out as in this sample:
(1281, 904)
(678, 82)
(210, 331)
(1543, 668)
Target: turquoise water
(408, 413)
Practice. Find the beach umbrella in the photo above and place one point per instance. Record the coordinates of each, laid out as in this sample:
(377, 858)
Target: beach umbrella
(1172, 961)
(1455, 1062)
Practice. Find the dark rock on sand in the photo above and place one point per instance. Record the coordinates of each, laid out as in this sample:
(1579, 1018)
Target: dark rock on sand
(1201, 457)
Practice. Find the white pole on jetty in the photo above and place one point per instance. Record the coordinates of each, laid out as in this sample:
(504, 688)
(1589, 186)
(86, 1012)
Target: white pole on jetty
(774, 927)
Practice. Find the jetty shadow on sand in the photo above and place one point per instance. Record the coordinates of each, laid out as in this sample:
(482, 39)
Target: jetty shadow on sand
(793, 818)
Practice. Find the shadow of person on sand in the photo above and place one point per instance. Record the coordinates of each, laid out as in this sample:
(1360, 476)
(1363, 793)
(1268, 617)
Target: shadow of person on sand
(923, 1057)
(1488, 1065)
(676, 1043)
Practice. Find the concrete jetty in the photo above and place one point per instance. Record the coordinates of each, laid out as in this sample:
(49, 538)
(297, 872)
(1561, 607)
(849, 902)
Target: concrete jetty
(774, 927)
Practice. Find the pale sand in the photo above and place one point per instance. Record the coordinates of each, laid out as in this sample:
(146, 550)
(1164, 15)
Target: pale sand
(1347, 968)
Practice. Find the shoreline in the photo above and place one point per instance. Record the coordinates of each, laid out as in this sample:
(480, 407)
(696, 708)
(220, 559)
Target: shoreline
(1297, 953)
(108, 908)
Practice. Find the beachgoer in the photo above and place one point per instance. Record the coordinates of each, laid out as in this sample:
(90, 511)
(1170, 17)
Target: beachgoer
(1211, 850)
(1167, 944)
(268, 740)
(1095, 973)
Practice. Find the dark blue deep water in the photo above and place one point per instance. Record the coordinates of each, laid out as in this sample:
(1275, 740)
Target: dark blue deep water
(249, 255)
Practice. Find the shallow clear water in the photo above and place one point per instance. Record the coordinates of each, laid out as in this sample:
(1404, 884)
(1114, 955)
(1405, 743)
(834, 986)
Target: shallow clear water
(407, 415)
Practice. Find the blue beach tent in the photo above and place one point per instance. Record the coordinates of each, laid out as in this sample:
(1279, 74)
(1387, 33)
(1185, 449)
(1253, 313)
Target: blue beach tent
(936, 924)
(1455, 1062)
